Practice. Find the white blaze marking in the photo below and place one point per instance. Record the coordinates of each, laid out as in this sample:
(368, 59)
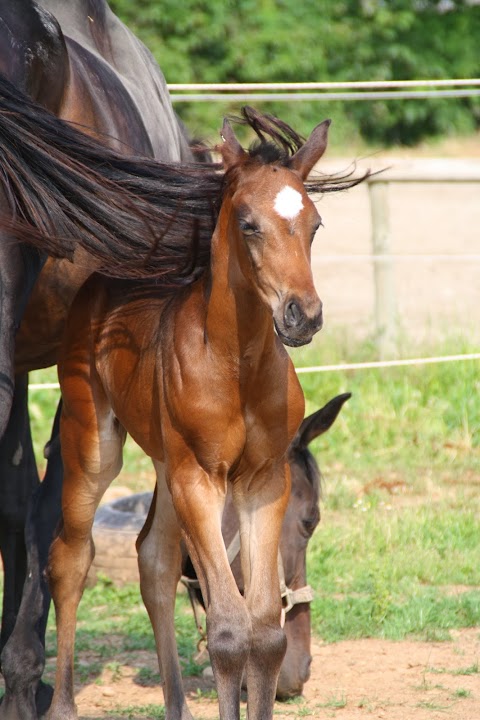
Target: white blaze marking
(288, 203)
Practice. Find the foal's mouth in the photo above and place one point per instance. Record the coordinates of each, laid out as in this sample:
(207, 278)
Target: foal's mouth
(291, 342)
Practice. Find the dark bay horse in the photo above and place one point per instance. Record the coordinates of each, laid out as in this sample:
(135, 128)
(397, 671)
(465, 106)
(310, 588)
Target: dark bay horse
(301, 518)
(200, 379)
(100, 77)
(84, 116)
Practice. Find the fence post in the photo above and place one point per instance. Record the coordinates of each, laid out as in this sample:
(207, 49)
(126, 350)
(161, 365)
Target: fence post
(385, 298)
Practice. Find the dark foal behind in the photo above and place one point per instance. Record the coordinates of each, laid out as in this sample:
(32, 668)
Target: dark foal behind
(301, 519)
(201, 380)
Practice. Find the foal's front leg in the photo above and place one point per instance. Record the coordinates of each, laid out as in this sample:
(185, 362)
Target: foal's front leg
(198, 499)
(261, 505)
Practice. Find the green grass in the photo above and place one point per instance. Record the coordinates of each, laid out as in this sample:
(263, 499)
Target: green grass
(149, 712)
(416, 421)
(114, 621)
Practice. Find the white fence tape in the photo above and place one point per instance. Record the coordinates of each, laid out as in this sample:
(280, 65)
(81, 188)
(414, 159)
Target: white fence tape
(389, 363)
(44, 386)
(369, 90)
(341, 366)
(382, 258)
(350, 85)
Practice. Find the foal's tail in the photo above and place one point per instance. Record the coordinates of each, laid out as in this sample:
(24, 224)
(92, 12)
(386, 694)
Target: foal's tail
(134, 215)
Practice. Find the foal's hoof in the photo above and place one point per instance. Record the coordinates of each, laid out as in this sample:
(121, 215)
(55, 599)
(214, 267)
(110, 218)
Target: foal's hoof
(43, 698)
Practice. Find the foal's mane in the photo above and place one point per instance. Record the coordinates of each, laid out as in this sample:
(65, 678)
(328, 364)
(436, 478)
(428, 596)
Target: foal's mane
(137, 217)
(277, 142)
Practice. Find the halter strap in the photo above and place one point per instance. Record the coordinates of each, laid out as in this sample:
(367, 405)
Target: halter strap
(290, 597)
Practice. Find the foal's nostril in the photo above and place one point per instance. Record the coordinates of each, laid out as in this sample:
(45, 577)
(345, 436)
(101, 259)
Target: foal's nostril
(293, 314)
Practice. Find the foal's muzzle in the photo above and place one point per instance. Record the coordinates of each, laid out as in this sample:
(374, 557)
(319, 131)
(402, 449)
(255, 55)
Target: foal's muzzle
(296, 323)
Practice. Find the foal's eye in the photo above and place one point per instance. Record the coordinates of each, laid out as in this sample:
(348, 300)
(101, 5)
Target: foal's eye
(320, 224)
(248, 228)
(310, 523)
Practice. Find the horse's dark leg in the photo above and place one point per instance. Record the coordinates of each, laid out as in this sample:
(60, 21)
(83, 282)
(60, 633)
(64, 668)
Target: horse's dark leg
(23, 655)
(19, 268)
(10, 283)
(18, 479)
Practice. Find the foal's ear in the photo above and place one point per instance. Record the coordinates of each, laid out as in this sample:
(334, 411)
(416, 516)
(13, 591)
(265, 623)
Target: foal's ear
(310, 153)
(230, 149)
(319, 422)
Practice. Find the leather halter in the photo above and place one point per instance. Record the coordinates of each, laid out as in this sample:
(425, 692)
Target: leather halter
(290, 597)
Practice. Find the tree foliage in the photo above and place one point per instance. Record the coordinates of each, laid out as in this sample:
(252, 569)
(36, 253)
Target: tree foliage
(319, 40)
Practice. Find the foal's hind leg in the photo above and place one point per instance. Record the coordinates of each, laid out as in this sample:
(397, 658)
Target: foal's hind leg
(159, 561)
(92, 443)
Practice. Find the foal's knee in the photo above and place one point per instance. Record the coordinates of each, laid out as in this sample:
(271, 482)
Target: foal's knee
(68, 563)
(269, 643)
(229, 640)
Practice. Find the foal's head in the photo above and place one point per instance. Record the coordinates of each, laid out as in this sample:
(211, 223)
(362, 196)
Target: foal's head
(274, 221)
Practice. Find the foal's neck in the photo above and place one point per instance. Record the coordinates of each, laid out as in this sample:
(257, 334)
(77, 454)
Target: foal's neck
(237, 321)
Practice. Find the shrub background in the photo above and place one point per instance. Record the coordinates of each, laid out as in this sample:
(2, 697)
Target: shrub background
(316, 40)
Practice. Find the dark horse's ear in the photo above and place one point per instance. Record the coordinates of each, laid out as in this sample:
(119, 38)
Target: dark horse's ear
(311, 152)
(230, 149)
(319, 422)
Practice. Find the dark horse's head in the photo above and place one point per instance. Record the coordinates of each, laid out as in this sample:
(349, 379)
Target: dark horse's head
(301, 519)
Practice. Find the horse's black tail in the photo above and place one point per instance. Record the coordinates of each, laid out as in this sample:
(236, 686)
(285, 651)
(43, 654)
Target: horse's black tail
(64, 189)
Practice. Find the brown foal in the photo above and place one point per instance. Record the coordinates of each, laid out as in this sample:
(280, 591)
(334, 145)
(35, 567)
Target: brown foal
(202, 382)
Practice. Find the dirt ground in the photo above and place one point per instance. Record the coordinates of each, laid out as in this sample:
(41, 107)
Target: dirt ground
(350, 680)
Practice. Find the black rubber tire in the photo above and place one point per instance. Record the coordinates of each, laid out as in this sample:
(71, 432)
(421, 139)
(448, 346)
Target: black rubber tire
(115, 531)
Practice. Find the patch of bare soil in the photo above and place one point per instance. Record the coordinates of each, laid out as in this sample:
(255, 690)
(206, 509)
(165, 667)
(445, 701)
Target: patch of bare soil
(350, 680)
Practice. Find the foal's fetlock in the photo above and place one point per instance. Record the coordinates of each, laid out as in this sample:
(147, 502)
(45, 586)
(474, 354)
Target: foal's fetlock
(62, 711)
